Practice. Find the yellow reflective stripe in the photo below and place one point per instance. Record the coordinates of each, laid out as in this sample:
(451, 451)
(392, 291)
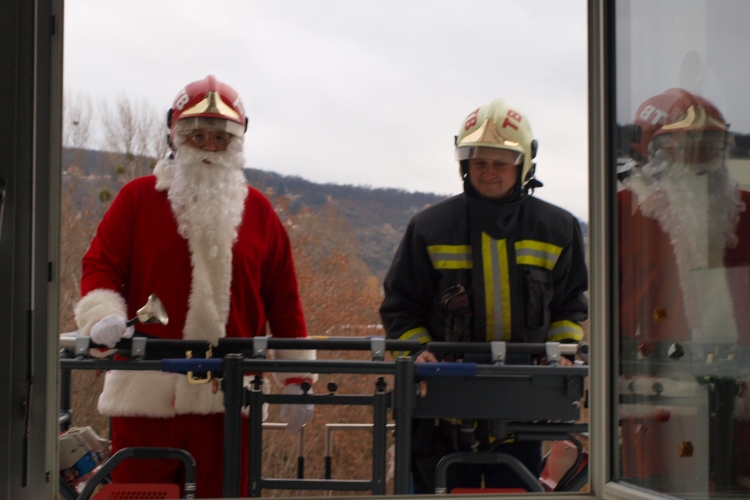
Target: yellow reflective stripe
(449, 249)
(564, 330)
(505, 282)
(450, 256)
(452, 264)
(496, 295)
(540, 246)
(489, 309)
(420, 333)
(537, 253)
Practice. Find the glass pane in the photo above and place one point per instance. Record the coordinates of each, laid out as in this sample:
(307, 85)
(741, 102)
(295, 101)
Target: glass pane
(683, 160)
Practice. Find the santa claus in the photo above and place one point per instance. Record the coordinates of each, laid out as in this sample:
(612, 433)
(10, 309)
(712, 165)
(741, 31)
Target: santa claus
(219, 259)
(684, 260)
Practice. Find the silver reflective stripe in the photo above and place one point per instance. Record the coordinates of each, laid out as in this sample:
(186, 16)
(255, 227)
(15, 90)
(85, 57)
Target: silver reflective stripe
(497, 295)
(496, 288)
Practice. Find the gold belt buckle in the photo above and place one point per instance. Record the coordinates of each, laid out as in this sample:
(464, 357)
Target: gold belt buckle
(192, 379)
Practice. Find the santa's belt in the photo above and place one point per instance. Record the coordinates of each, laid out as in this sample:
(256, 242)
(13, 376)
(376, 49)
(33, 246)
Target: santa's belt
(210, 367)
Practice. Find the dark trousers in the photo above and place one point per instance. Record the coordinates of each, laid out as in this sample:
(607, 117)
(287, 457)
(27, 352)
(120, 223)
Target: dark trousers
(430, 443)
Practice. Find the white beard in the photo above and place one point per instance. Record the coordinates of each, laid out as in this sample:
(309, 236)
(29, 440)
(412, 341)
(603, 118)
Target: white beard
(698, 207)
(208, 202)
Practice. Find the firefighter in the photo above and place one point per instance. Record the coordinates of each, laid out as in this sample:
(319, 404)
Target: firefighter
(684, 247)
(219, 259)
(492, 263)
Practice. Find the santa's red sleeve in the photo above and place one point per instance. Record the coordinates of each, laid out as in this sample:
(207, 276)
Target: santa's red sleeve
(106, 264)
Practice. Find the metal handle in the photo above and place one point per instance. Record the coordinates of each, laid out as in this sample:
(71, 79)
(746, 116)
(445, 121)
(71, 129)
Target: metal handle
(2, 201)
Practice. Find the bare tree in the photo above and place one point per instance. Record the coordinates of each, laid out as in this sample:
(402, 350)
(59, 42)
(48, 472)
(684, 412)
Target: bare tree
(78, 119)
(134, 131)
(78, 114)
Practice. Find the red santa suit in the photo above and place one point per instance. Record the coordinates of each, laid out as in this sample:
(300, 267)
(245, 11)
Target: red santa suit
(652, 310)
(138, 251)
(651, 299)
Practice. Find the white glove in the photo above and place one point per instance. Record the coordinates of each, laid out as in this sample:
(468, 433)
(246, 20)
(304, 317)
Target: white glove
(110, 329)
(295, 415)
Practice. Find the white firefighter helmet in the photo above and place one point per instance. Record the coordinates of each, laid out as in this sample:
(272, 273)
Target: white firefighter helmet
(498, 129)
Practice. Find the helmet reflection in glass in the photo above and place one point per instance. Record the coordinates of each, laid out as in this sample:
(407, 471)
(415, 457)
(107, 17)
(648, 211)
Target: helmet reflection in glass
(680, 126)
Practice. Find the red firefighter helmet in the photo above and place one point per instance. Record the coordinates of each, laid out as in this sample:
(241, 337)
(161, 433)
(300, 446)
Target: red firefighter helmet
(207, 103)
(679, 119)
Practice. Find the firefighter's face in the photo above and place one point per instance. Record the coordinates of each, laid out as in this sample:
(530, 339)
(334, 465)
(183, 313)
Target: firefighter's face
(492, 178)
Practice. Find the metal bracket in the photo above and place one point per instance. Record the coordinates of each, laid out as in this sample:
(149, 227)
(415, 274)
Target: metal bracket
(2, 202)
(82, 346)
(138, 347)
(553, 353)
(192, 379)
(256, 384)
(583, 352)
(498, 350)
(377, 348)
(260, 347)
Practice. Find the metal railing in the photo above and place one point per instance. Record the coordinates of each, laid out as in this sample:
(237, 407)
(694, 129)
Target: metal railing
(329, 443)
(558, 390)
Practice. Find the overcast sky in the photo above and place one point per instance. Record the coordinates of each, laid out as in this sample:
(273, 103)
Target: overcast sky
(353, 91)
(697, 45)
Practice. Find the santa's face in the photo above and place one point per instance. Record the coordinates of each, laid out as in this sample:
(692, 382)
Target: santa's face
(700, 151)
(202, 147)
(208, 140)
(208, 191)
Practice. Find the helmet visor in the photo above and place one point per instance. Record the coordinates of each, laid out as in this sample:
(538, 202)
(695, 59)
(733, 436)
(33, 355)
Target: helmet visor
(186, 125)
(507, 156)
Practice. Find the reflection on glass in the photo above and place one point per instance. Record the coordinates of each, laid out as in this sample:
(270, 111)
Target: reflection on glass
(684, 249)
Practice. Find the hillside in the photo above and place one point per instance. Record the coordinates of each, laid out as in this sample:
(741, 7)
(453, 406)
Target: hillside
(378, 217)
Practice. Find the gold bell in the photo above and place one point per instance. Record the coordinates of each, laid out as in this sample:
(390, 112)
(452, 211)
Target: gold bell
(685, 449)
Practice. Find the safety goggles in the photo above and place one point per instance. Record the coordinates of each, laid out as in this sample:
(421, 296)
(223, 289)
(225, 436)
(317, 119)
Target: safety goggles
(507, 156)
(202, 137)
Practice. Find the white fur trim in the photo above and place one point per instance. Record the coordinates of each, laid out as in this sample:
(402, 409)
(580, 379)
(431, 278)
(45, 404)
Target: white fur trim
(164, 174)
(162, 395)
(294, 354)
(138, 394)
(197, 398)
(96, 305)
(209, 297)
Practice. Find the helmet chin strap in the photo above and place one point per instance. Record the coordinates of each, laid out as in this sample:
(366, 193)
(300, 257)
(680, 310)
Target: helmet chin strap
(172, 148)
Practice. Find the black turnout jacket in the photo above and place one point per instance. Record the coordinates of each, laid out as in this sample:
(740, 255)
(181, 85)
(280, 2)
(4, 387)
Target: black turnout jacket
(469, 269)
